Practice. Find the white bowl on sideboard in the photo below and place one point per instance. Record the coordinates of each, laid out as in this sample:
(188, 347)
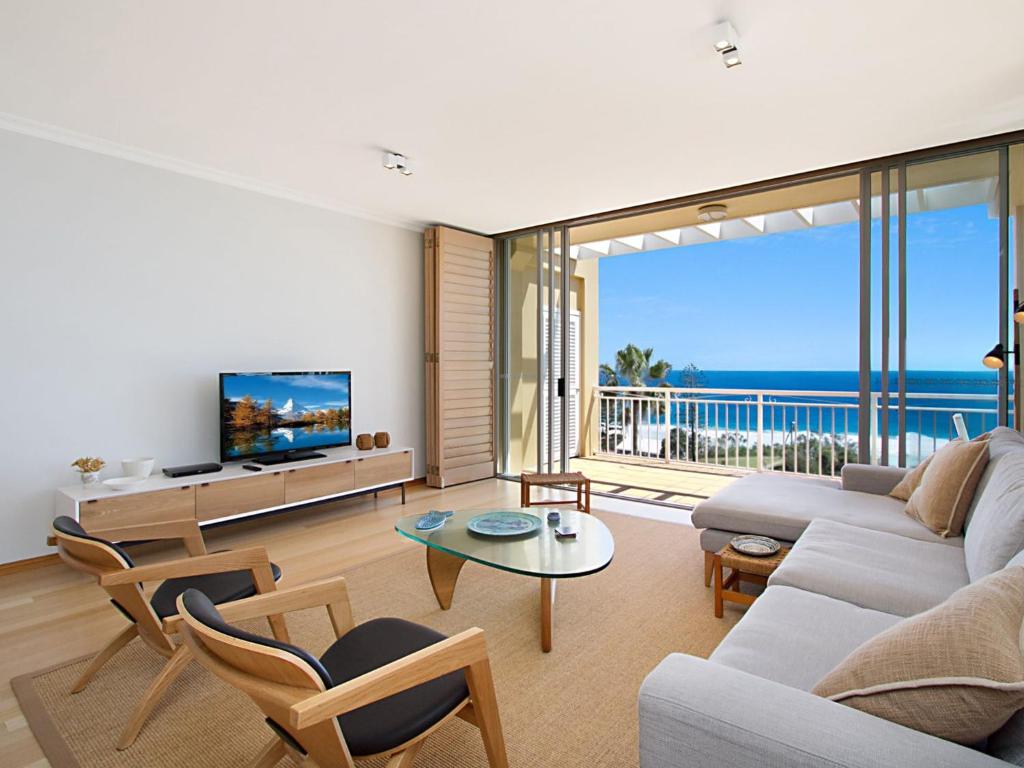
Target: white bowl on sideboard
(140, 467)
(122, 483)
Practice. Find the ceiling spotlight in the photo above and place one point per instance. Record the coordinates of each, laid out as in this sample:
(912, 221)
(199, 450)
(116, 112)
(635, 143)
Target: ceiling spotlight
(708, 213)
(727, 43)
(394, 160)
(725, 37)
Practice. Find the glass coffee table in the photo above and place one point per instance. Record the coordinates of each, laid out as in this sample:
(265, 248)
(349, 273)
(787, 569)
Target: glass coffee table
(538, 553)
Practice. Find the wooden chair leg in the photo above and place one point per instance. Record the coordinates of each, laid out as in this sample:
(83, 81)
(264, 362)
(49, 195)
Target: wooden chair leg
(718, 586)
(709, 566)
(122, 639)
(524, 492)
(405, 758)
(485, 708)
(270, 755)
(586, 489)
(174, 667)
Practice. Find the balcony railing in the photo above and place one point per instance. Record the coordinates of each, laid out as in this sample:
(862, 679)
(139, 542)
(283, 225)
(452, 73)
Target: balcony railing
(801, 431)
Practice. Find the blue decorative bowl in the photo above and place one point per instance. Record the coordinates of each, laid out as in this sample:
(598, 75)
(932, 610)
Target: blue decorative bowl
(503, 524)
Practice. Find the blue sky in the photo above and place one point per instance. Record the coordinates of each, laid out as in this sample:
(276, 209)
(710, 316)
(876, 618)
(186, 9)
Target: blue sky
(790, 301)
(307, 391)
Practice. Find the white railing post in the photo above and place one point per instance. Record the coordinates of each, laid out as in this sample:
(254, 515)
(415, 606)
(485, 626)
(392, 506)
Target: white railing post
(873, 415)
(760, 431)
(668, 427)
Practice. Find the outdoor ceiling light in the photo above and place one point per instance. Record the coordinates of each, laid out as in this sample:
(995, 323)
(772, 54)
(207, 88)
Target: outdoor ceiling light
(708, 213)
(393, 160)
(996, 357)
(725, 37)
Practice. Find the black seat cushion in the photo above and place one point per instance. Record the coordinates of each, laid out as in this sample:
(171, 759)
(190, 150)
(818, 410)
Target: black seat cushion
(219, 587)
(386, 724)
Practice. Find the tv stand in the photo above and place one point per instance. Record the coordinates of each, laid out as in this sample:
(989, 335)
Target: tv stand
(285, 458)
(233, 493)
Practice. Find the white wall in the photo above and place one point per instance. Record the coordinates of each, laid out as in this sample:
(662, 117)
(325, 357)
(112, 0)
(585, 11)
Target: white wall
(126, 289)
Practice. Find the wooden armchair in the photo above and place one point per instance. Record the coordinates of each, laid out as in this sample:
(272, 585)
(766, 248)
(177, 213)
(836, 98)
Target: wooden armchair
(381, 689)
(224, 576)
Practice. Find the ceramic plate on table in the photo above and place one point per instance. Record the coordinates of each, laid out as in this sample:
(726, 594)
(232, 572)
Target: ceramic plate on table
(120, 483)
(503, 524)
(755, 546)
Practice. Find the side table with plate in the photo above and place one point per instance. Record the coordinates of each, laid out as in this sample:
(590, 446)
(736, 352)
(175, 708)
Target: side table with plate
(751, 559)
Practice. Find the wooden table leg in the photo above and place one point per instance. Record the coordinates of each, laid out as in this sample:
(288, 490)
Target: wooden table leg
(718, 587)
(547, 603)
(444, 573)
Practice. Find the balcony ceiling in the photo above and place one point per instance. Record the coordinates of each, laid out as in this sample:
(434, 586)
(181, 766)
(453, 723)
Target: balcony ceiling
(514, 114)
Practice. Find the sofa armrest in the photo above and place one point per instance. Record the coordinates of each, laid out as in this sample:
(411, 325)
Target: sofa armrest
(870, 478)
(695, 713)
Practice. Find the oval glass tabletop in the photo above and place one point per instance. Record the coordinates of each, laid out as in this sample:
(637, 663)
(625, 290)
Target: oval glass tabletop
(538, 553)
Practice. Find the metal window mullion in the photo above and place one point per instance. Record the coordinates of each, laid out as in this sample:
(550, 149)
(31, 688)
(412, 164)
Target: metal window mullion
(540, 351)
(1004, 281)
(885, 317)
(566, 352)
(551, 348)
(901, 257)
(864, 399)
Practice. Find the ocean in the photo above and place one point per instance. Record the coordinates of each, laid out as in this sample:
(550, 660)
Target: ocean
(928, 419)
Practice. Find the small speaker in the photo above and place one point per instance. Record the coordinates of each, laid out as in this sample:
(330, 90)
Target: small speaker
(364, 442)
(382, 439)
(188, 470)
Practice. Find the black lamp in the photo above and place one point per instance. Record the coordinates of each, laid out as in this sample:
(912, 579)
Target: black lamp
(996, 357)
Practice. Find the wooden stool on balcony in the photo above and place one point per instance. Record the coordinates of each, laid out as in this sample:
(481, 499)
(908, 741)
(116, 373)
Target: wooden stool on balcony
(582, 483)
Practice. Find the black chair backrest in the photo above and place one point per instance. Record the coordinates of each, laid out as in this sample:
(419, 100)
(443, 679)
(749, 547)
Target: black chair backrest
(71, 527)
(202, 609)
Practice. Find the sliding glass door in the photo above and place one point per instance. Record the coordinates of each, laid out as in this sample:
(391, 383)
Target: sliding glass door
(539, 370)
(939, 298)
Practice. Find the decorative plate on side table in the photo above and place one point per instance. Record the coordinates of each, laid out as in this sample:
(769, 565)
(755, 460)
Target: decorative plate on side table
(755, 546)
(503, 524)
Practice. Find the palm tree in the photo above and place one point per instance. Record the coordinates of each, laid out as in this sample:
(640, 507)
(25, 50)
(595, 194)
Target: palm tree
(634, 367)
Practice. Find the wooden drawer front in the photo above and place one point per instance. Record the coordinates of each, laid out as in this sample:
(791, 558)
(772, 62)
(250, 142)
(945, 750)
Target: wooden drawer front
(377, 470)
(234, 497)
(314, 482)
(172, 505)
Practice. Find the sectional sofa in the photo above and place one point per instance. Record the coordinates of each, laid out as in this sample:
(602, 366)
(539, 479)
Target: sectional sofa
(859, 565)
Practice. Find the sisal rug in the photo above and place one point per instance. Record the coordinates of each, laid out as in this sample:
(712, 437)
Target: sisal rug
(575, 706)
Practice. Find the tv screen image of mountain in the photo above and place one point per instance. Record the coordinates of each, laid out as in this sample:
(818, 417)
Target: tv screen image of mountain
(277, 414)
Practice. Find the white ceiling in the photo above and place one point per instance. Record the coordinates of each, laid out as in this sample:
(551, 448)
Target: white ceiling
(515, 113)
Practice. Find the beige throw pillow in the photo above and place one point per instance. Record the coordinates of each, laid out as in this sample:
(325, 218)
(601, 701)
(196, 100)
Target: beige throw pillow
(905, 488)
(955, 671)
(947, 487)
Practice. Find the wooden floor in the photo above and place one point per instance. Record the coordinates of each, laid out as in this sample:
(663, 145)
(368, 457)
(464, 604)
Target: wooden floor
(51, 614)
(647, 480)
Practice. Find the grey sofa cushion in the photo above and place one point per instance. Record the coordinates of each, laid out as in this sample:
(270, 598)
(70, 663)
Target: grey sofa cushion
(869, 478)
(996, 532)
(1002, 441)
(795, 637)
(782, 506)
(872, 569)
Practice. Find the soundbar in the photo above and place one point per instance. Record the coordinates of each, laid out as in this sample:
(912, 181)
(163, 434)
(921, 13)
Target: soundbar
(192, 469)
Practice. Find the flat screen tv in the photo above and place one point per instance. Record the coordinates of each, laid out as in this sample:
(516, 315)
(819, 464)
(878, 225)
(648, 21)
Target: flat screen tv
(275, 417)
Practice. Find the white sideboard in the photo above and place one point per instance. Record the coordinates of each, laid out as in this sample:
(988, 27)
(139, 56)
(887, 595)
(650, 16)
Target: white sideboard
(233, 492)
